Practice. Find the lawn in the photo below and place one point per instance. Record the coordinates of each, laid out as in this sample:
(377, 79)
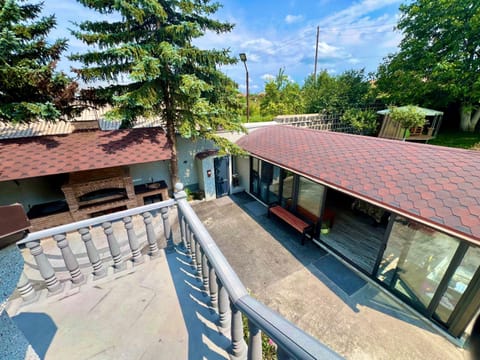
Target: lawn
(465, 140)
(257, 118)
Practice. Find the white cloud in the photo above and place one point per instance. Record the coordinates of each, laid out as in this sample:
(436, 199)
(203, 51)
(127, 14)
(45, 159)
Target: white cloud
(259, 45)
(268, 77)
(291, 19)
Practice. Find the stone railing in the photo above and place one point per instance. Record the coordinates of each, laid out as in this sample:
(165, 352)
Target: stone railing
(97, 263)
(230, 298)
(326, 122)
(227, 295)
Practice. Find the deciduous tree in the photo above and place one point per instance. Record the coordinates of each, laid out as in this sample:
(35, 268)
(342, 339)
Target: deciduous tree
(439, 58)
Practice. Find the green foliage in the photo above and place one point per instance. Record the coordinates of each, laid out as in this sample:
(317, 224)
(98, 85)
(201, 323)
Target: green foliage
(438, 63)
(30, 87)
(464, 140)
(407, 117)
(363, 121)
(269, 348)
(282, 97)
(151, 47)
(329, 93)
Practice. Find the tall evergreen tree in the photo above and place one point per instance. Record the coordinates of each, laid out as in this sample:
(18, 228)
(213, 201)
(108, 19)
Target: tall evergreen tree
(30, 88)
(151, 46)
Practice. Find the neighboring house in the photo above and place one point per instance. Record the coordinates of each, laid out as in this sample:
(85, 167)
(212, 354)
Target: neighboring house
(68, 171)
(405, 214)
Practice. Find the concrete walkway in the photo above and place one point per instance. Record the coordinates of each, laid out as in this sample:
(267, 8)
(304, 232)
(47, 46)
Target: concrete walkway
(155, 311)
(358, 322)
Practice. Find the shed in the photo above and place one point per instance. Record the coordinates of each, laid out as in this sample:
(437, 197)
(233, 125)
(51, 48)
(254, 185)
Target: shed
(392, 130)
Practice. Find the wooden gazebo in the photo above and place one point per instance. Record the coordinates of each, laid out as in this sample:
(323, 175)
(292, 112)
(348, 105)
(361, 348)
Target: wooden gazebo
(393, 130)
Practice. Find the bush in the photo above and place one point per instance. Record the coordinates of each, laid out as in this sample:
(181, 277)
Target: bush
(407, 117)
(363, 121)
(269, 348)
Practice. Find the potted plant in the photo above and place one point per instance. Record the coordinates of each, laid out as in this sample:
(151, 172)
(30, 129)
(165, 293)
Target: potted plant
(325, 228)
(408, 117)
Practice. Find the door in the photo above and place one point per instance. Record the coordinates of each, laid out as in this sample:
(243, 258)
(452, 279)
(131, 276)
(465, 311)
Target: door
(222, 183)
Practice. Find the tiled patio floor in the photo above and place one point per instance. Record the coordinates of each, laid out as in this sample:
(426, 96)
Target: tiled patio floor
(313, 290)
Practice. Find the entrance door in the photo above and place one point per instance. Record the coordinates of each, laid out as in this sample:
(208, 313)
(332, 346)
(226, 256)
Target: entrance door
(222, 183)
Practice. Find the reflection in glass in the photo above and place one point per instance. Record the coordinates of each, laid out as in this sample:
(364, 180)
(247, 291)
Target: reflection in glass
(287, 190)
(415, 260)
(458, 284)
(255, 177)
(310, 196)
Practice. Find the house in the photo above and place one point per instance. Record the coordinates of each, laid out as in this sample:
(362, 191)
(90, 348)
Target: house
(69, 171)
(404, 214)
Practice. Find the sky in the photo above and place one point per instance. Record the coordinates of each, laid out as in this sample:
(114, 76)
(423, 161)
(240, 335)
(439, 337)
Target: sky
(354, 34)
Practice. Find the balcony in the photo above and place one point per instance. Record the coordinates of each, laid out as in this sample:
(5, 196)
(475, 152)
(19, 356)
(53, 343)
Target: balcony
(144, 283)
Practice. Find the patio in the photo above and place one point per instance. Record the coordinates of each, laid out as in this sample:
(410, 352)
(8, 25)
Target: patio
(314, 290)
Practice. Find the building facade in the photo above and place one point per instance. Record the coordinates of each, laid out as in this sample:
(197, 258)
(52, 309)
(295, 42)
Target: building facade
(406, 215)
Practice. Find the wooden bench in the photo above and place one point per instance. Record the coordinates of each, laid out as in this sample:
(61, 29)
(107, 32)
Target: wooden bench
(292, 220)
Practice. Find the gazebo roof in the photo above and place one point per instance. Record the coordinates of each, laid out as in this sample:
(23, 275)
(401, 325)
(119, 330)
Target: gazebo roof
(434, 185)
(424, 111)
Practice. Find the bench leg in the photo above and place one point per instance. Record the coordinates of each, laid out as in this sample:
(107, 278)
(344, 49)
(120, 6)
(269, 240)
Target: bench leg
(303, 237)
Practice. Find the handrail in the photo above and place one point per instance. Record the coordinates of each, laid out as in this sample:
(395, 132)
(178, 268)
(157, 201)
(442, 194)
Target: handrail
(224, 271)
(38, 235)
(291, 339)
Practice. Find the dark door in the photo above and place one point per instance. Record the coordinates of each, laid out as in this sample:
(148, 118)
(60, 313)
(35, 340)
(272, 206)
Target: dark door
(222, 184)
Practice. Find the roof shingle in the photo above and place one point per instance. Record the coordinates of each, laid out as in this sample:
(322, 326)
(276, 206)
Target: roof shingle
(436, 185)
(78, 151)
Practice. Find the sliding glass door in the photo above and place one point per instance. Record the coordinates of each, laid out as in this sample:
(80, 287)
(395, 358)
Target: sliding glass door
(264, 181)
(428, 269)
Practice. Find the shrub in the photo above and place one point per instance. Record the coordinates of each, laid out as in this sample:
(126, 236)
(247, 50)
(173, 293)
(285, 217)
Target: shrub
(363, 121)
(407, 117)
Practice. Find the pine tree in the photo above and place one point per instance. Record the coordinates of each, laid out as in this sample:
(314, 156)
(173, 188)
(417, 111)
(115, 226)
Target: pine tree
(30, 88)
(151, 47)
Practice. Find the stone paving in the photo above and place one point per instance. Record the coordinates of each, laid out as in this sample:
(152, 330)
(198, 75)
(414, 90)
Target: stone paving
(154, 311)
(268, 257)
(158, 310)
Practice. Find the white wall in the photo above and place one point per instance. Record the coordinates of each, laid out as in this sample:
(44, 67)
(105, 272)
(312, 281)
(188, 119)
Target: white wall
(187, 168)
(148, 172)
(30, 192)
(243, 169)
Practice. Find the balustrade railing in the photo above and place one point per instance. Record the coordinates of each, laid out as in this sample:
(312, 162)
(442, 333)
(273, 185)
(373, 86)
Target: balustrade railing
(228, 296)
(97, 265)
(231, 299)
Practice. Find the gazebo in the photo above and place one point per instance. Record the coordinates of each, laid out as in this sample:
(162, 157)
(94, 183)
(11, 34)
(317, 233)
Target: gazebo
(392, 130)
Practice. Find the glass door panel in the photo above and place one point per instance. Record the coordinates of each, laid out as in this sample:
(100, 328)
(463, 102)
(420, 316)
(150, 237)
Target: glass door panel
(287, 189)
(310, 195)
(458, 284)
(255, 176)
(415, 260)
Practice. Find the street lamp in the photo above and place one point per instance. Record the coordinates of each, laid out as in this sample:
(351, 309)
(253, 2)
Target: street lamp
(243, 58)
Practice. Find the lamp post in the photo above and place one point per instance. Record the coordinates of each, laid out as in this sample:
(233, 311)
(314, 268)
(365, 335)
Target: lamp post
(243, 57)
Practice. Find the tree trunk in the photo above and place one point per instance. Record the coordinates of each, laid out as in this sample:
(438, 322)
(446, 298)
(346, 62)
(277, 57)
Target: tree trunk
(469, 118)
(172, 140)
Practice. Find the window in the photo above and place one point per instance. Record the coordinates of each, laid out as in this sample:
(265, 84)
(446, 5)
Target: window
(458, 284)
(415, 260)
(310, 196)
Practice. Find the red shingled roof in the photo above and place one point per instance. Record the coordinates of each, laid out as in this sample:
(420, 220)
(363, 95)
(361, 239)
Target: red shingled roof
(436, 185)
(83, 150)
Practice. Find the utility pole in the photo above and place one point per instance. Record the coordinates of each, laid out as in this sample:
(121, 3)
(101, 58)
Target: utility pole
(316, 54)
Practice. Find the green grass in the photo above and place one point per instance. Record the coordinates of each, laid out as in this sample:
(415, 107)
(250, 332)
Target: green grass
(257, 118)
(464, 140)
